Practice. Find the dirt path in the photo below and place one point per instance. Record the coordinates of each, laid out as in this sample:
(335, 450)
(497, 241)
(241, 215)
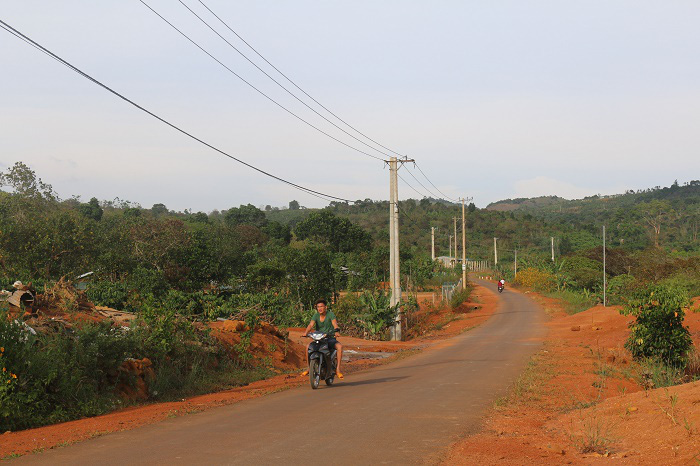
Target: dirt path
(406, 412)
(579, 402)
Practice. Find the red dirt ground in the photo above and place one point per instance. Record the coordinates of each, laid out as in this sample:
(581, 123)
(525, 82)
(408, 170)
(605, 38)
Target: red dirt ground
(437, 326)
(578, 403)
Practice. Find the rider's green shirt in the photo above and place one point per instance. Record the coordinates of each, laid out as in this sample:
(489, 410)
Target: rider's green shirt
(327, 325)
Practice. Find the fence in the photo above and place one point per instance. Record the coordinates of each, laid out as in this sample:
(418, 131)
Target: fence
(448, 289)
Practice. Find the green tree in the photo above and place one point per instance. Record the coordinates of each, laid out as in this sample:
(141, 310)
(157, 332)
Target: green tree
(91, 209)
(338, 233)
(245, 215)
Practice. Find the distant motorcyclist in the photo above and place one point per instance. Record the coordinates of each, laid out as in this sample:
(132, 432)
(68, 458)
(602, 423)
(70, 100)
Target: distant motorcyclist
(324, 321)
(501, 284)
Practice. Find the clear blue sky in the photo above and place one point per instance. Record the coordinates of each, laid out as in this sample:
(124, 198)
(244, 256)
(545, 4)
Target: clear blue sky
(494, 99)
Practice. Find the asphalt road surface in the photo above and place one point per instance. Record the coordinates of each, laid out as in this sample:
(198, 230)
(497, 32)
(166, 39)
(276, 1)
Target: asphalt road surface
(407, 412)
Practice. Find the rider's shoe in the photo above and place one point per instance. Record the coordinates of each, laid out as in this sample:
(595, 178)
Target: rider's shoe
(306, 372)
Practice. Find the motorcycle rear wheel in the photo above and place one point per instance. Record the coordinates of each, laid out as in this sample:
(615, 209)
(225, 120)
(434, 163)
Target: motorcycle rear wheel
(314, 373)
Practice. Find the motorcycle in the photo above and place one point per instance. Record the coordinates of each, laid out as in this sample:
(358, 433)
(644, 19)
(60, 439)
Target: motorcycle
(322, 361)
(500, 287)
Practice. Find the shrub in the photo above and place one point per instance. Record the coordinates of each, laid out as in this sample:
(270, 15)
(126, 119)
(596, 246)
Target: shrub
(106, 293)
(584, 272)
(59, 376)
(536, 279)
(620, 288)
(658, 330)
(460, 296)
(377, 313)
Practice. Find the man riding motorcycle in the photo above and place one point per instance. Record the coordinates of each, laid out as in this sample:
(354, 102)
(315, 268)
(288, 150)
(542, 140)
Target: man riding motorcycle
(324, 321)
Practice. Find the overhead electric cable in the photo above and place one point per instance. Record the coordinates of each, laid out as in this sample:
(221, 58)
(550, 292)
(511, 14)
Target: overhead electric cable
(18, 34)
(424, 187)
(438, 189)
(293, 83)
(410, 186)
(303, 91)
(255, 88)
(275, 81)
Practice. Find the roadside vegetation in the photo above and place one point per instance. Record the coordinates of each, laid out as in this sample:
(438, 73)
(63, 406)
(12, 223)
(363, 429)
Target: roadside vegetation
(179, 271)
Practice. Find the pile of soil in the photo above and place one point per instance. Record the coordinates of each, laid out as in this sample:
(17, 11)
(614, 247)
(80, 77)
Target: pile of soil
(580, 402)
(268, 345)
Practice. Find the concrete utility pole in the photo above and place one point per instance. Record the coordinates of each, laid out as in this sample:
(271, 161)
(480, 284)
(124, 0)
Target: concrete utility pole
(552, 248)
(394, 265)
(455, 220)
(432, 240)
(464, 251)
(495, 253)
(604, 277)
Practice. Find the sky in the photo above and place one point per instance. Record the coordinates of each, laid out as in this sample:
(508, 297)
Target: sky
(493, 99)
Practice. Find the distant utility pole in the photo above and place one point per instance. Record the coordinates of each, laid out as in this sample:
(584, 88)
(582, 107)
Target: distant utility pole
(552, 248)
(394, 265)
(604, 277)
(455, 220)
(495, 252)
(464, 251)
(432, 240)
(515, 265)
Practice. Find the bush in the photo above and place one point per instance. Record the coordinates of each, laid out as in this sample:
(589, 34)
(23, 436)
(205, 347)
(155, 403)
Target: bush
(376, 315)
(621, 288)
(658, 330)
(460, 296)
(106, 293)
(58, 377)
(536, 279)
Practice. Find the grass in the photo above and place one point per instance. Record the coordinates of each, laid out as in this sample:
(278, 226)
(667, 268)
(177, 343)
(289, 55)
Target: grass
(594, 437)
(573, 302)
(528, 385)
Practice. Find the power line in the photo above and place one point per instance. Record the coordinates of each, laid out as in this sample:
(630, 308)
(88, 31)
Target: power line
(255, 88)
(291, 93)
(18, 34)
(293, 83)
(409, 185)
(274, 80)
(438, 189)
(424, 187)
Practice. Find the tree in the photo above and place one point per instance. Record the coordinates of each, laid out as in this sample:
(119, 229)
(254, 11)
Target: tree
(338, 233)
(24, 182)
(159, 209)
(293, 205)
(91, 209)
(655, 214)
(245, 215)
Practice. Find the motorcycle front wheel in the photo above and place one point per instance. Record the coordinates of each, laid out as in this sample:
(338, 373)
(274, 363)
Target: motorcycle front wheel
(314, 373)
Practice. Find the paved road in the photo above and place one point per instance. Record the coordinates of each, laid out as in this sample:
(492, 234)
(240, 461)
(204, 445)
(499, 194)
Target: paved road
(407, 412)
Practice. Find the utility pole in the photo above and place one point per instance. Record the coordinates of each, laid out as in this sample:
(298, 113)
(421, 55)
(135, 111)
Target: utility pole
(464, 251)
(455, 220)
(450, 247)
(515, 265)
(495, 253)
(552, 248)
(432, 240)
(604, 277)
(394, 265)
